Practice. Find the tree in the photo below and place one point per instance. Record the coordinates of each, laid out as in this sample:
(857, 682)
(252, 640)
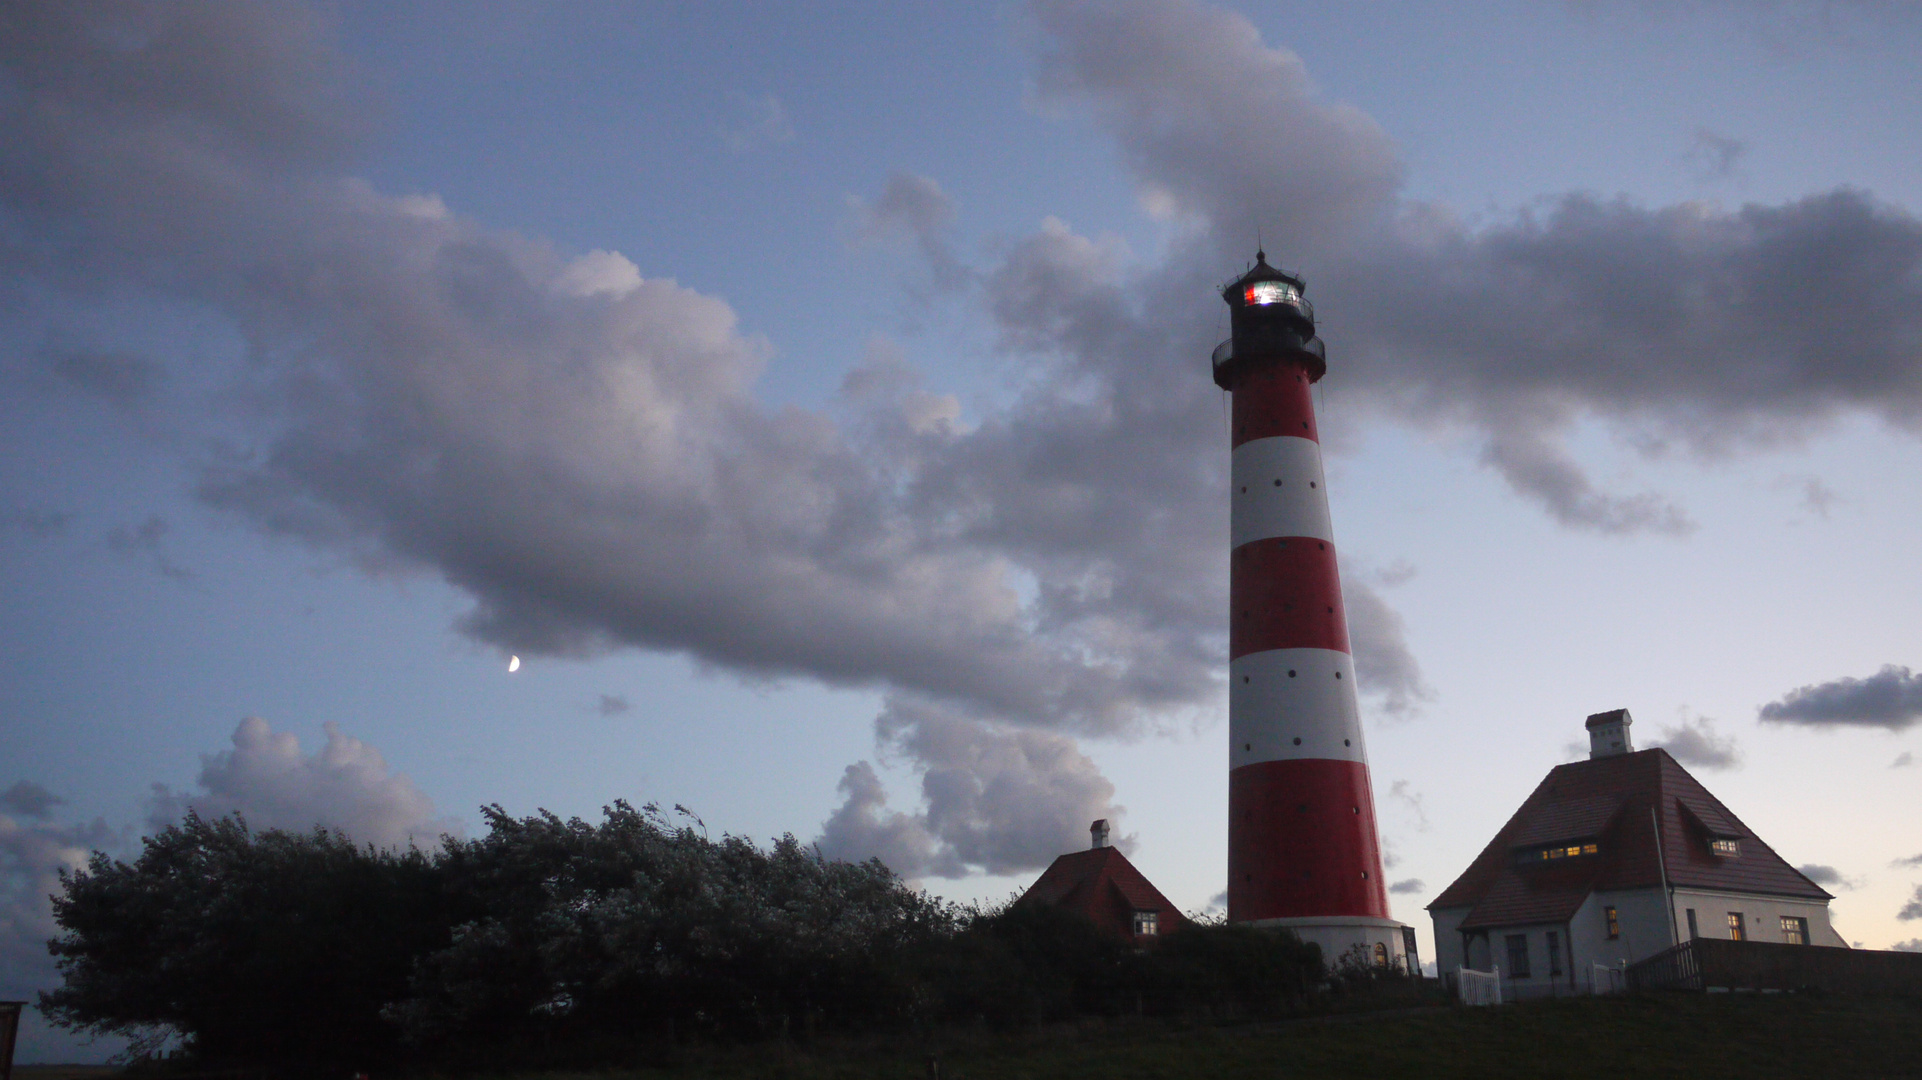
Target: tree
(638, 924)
(251, 946)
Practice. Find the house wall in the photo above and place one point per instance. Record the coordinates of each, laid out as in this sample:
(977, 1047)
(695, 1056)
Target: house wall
(1643, 918)
(1761, 916)
(1448, 941)
(1491, 946)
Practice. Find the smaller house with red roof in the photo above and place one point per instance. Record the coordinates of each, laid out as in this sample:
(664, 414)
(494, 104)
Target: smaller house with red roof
(1612, 860)
(1103, 885)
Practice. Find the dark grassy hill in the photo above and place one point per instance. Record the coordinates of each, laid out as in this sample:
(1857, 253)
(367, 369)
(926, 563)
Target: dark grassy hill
(1696, 1036)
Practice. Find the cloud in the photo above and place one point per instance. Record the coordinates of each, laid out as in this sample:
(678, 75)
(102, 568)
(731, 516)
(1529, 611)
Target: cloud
(31, 858)
(1571, 310)
(1694, 742)
(1912, 909)
(29, 800)
(1902, 760)
(1404, 792)
(121, 379)
(1383, 662)
(1713, 156)
(1216, 126)
(915, 207)
(345, 785)
(1890, 698)
(1405, 888)
(39, 524)
(1913, 860)
(1827, 875)
(910, 204)
(759, 121)
(575, 443)
(145, 542)
(993, 799)
(1817, 497)
(1911, 945)
(613, 705)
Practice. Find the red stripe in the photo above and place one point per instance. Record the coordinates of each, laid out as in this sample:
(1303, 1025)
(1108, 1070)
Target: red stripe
(1286, 594)
(1302, 842)
(1274, 399)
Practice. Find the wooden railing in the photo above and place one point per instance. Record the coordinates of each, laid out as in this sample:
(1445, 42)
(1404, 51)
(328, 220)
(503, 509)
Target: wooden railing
(1713, 964)
(1677, 968)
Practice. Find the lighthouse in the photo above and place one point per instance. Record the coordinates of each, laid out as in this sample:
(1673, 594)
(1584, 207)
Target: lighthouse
(1303, 852)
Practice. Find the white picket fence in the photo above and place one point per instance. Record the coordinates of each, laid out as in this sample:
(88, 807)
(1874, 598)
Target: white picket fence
(1479, 987)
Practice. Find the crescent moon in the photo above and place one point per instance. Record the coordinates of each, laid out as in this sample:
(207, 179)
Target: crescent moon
(513, 664)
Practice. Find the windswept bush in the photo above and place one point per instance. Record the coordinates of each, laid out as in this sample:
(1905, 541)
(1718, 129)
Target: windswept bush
(635, 924)
(250, 946)
(1230, 971)
(551, 940)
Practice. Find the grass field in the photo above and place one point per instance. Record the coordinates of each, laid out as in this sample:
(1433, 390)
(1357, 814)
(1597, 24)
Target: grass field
(1678, 1035)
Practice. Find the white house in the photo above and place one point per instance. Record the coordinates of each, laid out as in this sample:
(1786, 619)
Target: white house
(1614, 859)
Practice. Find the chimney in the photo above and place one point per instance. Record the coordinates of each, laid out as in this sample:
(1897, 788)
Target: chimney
(1099, 831)
(1608, 734)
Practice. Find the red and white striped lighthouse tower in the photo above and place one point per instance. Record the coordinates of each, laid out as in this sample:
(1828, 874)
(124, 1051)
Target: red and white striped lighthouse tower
(1302, 846)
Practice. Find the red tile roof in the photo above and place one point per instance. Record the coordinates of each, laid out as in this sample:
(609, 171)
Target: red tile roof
(1608, 801)
(1102, 884)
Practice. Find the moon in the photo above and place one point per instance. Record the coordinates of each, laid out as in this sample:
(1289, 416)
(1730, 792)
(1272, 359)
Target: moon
(513, 664)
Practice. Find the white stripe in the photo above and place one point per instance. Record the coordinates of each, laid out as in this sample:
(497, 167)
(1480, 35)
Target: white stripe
(1268, 709)
(1297, 506)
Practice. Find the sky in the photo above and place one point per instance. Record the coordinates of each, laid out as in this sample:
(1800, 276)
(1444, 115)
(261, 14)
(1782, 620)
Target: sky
(816, 401)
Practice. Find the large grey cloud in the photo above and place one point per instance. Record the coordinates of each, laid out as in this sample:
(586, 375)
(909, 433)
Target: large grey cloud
(345, 785)
(29, 800)
(993, 798)
(33, 853)
(1890, 698)
(1827, 875)
(1688, 326)
(1695, 742)
(575, 443)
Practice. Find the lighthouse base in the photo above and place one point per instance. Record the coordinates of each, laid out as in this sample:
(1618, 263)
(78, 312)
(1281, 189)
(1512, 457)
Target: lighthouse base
(1350, 939)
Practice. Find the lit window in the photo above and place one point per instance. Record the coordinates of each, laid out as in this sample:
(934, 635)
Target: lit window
(1735, 927)
(1518, 956)
(1566, 851)
(1381, 955)
(1147, 924)
(1554, 952)
(1270, 292)
(1795, 930)
(1614, 923)
(1728, 849)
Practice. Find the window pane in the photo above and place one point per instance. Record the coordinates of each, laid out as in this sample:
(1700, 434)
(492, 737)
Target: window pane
(1518, 955)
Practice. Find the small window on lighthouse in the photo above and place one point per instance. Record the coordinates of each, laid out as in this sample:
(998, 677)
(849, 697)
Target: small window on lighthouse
(1262, 293)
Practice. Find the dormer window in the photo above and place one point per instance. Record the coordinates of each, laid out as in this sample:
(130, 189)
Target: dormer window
(1725, 847)
(1147, 923)
(1534, 856)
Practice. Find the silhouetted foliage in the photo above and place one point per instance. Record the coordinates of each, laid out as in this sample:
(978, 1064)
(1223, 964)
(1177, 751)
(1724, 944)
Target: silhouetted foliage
(633, 923)
(551, 940)
(1230, 971)
(253, 946)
